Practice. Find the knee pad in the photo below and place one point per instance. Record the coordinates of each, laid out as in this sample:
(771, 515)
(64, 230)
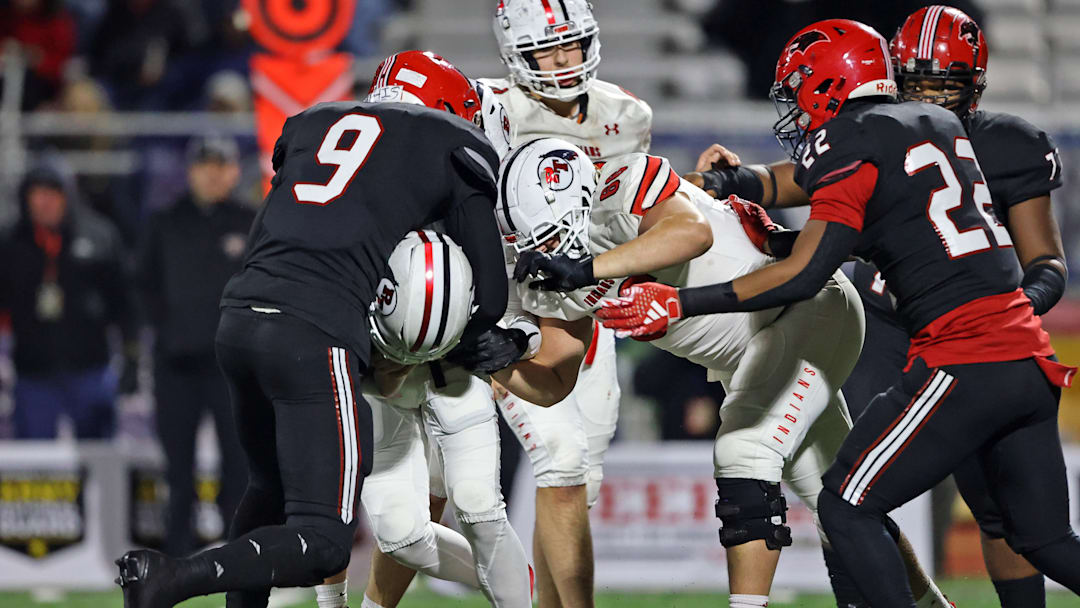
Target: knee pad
(396, 524)
(749, 510)
(473, 497)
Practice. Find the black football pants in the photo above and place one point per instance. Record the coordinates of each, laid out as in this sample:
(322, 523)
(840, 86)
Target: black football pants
(926, 426)
(307, 434)
(880, 365)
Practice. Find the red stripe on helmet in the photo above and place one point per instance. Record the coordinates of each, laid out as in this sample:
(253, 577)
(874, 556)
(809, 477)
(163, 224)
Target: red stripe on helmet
(429, 288)
(550, 13)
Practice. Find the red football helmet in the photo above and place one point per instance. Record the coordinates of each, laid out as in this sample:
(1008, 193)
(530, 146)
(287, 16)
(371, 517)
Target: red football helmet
(424, 78)
(941, 43)
(823, 66)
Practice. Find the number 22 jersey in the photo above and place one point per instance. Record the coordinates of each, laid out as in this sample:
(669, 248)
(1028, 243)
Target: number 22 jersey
(906, 176)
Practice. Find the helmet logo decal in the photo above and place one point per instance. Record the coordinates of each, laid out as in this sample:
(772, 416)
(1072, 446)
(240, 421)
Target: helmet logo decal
(805, 41)
(969, 33)
(556, 170)
(386, 297)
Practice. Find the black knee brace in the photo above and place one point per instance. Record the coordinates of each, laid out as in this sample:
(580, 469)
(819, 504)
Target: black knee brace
(749, 510)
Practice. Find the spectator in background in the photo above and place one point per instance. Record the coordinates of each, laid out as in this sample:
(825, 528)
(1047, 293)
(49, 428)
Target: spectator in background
(189, 252)
(85, 101)
(133, 46)
(757, 31)
(228, 92)
(688, 407)
(64, 284)
(45, 34)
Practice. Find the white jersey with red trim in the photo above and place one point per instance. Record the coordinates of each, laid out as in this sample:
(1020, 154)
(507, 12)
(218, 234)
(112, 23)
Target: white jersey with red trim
(628, 187)
(611, 121)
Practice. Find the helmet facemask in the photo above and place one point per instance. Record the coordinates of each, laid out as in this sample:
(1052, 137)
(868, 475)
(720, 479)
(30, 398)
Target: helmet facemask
(960, 85)
(525, 69)
(571, 231)
(792, 128)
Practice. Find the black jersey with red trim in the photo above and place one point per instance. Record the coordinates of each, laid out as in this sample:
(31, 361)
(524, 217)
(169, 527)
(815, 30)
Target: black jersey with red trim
(1019, 161)
(905, 176)
(351, 180)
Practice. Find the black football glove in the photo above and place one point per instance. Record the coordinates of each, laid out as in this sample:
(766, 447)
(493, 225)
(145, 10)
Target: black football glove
(560, 272)
(491, 351)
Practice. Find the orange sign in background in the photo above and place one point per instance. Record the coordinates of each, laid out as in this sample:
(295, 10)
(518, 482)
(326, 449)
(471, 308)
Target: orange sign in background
(300, 67)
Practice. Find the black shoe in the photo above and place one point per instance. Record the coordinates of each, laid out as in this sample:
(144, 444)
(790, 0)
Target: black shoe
(144, 576)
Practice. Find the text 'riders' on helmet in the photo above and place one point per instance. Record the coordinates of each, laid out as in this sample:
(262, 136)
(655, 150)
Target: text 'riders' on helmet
(524, 26)
(942, 45)
(823, 66)
(545, 193)
(424, 78)
(422, 308)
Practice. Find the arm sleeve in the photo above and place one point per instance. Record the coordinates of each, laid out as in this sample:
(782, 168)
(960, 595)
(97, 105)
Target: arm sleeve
(1043, 285)
(835, 246)
(471, 223)
(740, 181)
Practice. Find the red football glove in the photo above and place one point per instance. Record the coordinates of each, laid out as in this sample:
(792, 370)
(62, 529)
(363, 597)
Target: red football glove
(624, 290)
(646, 309)
(755, 222)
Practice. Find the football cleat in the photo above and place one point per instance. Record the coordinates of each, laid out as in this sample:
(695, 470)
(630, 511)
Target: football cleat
(143, 576)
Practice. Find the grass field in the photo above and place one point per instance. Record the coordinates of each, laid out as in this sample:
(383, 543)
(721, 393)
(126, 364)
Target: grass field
(965, 593)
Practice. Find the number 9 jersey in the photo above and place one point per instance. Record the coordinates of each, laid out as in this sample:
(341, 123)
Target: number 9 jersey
(351, 180)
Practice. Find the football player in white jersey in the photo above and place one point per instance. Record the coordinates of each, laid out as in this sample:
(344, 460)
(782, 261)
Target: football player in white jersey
(551, 49)
(784, 416)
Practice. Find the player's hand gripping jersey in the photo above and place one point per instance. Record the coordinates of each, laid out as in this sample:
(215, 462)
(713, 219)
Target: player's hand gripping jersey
(627, 188)
(610, 122)
(352, 179)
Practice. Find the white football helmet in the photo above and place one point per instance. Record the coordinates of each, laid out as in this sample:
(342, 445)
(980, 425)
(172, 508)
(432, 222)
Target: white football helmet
(421, 309)
(545, 191)
(494, 119)
(524, 26)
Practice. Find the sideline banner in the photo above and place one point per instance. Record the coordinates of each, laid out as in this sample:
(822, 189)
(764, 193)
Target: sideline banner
(654, 526)
(61, 514)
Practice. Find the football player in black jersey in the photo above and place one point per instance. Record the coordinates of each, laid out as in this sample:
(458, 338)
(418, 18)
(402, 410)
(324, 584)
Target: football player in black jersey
(351, 180)
(940, 56)
(899, 184)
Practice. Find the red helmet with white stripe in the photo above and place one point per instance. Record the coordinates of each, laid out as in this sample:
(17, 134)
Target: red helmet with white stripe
(523, 27)
(422, 308)
(822, 67)
(942, 44)
(424, 78)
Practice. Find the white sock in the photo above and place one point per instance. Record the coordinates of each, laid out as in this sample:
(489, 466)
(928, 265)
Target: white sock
(742, 600)
(332, 596)
(369, 603)
(933, 598)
